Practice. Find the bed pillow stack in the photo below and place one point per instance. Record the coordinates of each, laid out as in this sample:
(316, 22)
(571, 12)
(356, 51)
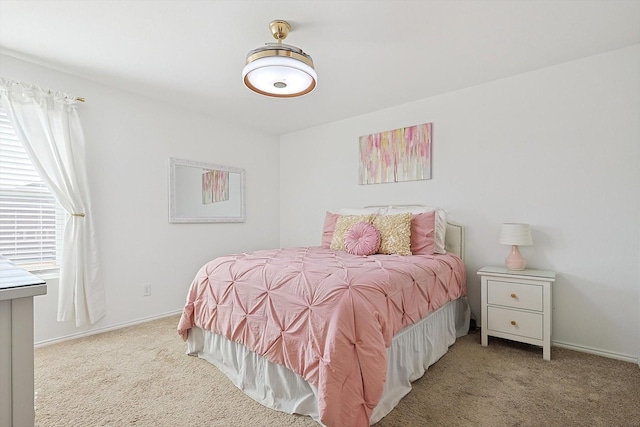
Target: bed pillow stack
(403, 231)
(440, 223)
(395, 232)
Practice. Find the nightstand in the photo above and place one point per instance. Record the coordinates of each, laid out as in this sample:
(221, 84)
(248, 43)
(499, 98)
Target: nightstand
(516, 305)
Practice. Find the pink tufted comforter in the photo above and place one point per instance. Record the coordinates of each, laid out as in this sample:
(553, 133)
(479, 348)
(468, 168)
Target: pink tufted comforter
(328, 316)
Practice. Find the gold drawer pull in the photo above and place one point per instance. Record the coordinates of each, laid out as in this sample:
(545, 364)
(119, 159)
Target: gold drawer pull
(514, 296)
(513, 322)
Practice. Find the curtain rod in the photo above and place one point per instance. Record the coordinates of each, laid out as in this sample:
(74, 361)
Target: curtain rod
(23, 84)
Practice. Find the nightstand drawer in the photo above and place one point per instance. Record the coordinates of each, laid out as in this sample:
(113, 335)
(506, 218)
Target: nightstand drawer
(516, 295)
(515, 322)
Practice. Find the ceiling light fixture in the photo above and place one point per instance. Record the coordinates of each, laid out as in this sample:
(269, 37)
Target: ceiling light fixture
(279, 70)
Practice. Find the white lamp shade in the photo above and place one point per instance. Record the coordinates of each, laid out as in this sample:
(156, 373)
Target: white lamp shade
(516, 234)
(279, 76)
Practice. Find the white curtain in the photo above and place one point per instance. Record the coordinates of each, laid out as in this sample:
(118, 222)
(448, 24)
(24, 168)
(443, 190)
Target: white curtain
(48, 125)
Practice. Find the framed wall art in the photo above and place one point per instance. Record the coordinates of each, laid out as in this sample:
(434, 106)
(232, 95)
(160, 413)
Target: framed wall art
(397, 155)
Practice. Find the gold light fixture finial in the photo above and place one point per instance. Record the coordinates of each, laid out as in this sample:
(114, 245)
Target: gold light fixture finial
(277, 69)
(280, 29)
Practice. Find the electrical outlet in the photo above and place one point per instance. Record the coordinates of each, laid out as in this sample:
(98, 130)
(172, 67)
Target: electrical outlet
(146, 290)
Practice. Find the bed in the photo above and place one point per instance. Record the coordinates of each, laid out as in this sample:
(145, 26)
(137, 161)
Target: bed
(325, 333)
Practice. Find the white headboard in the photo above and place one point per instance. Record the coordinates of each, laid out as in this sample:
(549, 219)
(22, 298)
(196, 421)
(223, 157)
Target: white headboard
(454, 237)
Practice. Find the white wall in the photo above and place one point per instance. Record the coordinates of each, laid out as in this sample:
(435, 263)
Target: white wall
(130, 139)
(557, 148)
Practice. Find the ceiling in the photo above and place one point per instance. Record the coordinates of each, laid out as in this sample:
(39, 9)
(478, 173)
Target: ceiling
(369, 55)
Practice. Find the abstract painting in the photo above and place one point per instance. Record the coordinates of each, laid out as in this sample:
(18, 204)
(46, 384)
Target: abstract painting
(397, 155)
(215, 186)
(207, 188)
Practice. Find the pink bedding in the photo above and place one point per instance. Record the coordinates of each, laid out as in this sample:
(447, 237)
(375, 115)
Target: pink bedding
(328, 316)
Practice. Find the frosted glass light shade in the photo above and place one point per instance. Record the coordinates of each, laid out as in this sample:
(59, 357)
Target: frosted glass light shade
(279, 76)
(516, 234)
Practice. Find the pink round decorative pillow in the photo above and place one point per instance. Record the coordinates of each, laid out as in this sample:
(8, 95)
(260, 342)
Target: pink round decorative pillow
(362, 239)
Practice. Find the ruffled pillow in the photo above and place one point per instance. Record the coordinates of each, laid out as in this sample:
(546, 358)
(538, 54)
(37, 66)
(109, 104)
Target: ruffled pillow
(362, 239)
(395, 233)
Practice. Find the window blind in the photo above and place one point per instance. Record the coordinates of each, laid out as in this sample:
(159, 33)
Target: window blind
(31, 221)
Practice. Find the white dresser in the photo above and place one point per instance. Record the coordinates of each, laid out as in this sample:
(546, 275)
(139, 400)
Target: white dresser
(17, 289)
(516, 305)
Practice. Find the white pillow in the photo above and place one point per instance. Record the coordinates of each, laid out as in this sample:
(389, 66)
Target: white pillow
(441, 222)
(364, 211)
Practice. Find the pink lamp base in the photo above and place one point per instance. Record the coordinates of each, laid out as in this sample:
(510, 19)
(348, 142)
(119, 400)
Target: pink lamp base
(515, 261)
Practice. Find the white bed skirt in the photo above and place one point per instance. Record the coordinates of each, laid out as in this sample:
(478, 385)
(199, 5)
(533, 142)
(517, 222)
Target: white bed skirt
(412, 351)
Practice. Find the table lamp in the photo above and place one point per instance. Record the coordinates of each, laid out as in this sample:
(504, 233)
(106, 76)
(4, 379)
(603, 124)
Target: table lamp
(515, 235)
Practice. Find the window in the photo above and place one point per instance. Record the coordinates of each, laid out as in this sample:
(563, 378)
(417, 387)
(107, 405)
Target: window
(31, 221)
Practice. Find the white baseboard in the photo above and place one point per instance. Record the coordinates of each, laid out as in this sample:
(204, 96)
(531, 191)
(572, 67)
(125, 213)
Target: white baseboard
(106, 329)
(603, 353)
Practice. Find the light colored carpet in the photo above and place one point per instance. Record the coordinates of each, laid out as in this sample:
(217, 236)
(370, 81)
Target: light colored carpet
(141, 376)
